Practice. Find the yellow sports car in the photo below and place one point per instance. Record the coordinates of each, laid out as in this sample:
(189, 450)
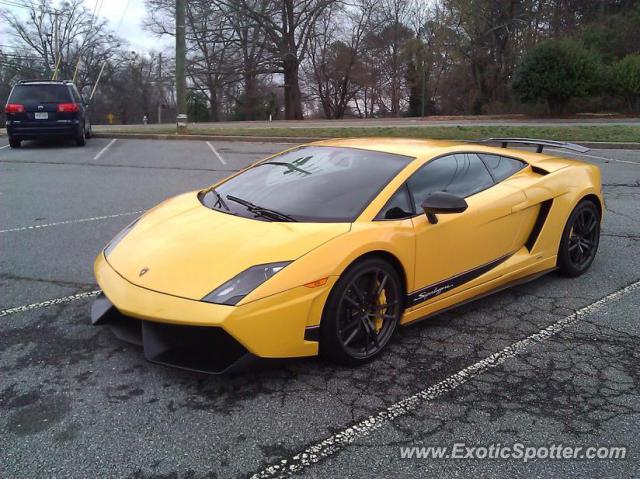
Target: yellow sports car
(328, 247)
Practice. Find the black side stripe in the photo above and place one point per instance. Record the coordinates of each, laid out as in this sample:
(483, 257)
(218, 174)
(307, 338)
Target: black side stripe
(545, 206)
(436, 289)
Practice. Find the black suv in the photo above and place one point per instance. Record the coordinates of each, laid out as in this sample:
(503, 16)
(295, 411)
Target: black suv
(46, 109)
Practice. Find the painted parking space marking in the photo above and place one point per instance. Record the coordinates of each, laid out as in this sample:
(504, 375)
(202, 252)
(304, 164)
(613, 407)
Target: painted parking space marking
(70, 222)
(3, 147)
(49, 302)
(342, 439)
(101, 152)
(215, 152)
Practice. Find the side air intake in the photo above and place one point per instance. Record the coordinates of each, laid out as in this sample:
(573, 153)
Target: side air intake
(545, 207)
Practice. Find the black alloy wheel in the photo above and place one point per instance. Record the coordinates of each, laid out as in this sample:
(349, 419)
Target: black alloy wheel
(362, 312)
(580, 240)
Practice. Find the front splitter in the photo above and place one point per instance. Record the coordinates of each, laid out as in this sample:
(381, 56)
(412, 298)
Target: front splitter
(203, 349)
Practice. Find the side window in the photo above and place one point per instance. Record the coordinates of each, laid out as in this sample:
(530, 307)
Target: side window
(501, 167)
(398, 207)
(462, 174)
(75, 95)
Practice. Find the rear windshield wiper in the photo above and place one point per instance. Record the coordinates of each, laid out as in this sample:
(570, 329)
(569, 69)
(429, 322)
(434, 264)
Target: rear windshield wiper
(260, 211)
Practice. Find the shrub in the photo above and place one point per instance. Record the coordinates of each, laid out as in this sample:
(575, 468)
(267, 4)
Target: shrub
(626, 80)
(556, 71)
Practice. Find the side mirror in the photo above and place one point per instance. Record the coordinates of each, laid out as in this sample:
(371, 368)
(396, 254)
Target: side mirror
(442, 203)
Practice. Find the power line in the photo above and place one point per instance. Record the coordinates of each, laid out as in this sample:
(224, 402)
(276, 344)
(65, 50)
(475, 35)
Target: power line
(124, 12)
(11, 3)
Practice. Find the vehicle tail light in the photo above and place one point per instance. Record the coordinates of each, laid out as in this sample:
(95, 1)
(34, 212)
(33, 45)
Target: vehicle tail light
(68, 108)
(14, 108)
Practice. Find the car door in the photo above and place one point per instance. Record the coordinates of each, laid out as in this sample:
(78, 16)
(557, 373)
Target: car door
(462, 249)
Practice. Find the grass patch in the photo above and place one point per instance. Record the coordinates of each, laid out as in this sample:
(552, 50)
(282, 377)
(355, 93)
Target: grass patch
(566, 133)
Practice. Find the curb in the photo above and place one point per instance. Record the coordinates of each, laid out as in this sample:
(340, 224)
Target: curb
(596, 145)
(169, 136)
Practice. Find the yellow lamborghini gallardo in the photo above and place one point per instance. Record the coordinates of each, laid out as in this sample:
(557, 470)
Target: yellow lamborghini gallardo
(327, 248)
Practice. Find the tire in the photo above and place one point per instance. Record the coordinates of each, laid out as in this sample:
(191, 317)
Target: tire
(14, 142)
(580, 239)
(80, 139)
(354, 329)
(89, 133)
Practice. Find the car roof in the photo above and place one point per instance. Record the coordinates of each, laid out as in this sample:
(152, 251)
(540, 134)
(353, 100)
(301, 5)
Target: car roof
(423, 149)
(414, 148)
(44, 82)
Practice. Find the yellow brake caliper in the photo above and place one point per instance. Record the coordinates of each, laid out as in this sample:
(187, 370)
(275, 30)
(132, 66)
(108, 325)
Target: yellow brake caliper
(379, 319)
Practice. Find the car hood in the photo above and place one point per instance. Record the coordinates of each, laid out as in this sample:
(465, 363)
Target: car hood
(185, 249)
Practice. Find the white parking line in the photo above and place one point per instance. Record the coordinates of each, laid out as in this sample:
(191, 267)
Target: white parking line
(216, 153)
(340, 440)
(3, 147)
(49, 302)
(69, 222)
(101, 152)
(594, 156)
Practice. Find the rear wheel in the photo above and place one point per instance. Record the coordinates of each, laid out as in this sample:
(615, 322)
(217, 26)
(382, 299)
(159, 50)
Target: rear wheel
(80, 140)
(362, 312)
(14, 142)
(580, 240)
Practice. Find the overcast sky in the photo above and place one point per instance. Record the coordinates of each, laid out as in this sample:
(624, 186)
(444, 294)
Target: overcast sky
(130, 29)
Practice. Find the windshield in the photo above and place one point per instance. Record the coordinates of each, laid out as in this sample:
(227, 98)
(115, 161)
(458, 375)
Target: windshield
(312, 183)
(39, 94)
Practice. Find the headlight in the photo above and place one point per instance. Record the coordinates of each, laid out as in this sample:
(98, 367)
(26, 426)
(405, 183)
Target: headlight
(242, 284)
(117, 238)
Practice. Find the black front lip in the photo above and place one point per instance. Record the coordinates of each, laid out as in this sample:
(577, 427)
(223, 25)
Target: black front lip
(203, 349)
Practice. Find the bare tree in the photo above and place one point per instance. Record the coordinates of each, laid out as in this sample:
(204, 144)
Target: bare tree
(62, 39)
(288, 27)
(334, 55)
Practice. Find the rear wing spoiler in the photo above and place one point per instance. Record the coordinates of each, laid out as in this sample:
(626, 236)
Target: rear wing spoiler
(539, 144)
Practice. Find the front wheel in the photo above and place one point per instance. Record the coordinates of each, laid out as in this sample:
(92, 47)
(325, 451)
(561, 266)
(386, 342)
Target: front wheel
(361, 313)
(580, 240)
(14, 142)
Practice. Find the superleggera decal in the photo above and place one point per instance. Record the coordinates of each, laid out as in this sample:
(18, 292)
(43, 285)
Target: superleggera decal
(431, 291)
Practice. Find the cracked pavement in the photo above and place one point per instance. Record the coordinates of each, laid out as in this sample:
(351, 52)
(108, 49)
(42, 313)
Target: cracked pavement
(76, 402)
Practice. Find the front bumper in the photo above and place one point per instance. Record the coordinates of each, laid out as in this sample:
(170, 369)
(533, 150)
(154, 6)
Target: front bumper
(208, 350)
(271, 327)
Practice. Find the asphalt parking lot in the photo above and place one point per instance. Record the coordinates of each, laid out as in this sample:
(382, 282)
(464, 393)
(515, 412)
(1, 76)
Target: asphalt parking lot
(555, 361)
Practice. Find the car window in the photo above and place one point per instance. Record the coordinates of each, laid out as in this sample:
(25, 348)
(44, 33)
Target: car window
(313, 183)
(461, 174)
(398, 207)
(32, 95)
(501, 167)
(75, 94)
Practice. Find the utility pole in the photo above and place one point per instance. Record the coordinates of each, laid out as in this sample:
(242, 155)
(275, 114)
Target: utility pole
(181, 47)
(160, 87)
(56, 13)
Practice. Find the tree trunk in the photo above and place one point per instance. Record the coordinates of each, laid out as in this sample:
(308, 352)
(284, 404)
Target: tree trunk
(292, 97)
(557, 106)
(250, 94)
(213, 103)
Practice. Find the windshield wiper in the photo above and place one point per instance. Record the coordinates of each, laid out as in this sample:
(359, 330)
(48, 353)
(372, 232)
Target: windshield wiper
(220, 200)
(260, 211)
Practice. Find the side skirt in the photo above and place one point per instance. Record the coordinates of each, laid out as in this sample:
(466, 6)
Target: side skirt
(510, 284)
